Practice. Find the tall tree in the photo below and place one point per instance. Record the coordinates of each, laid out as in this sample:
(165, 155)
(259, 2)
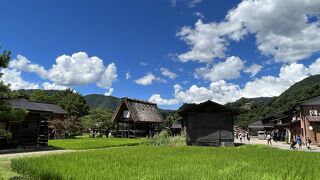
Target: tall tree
(72, 102)
(40, 95)
(98, 119)
(5, 92)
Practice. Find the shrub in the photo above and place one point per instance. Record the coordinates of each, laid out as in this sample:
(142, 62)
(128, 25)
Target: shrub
(6, 134)
(163, 139)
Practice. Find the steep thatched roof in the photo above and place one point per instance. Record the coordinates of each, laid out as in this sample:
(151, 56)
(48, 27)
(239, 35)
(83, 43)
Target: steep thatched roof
(140, 111)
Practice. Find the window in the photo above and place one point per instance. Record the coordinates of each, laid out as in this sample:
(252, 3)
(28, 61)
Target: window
(313, 113)
(126, 114)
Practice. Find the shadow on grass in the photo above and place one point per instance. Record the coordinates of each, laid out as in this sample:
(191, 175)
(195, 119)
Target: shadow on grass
(29, 149)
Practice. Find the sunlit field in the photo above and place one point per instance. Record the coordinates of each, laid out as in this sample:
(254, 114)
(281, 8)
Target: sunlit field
(149, 162)
(93, 143)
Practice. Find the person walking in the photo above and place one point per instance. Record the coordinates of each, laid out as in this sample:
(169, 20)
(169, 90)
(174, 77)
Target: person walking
(269, 139)
(308, 143)
(299, 142)
(248, 137)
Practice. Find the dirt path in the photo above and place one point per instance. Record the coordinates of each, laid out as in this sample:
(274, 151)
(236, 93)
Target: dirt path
(34, 153)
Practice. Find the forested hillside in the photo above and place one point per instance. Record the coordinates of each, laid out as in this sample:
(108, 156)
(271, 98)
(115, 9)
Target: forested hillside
(257, 108)
(102, 101)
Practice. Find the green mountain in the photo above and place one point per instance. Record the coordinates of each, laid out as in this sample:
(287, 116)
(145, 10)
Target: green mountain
(102, 101)
(258, 108)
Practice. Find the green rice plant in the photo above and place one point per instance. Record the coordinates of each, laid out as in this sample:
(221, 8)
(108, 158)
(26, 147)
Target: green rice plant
(163, 139)
(151, 162)
(93, 143)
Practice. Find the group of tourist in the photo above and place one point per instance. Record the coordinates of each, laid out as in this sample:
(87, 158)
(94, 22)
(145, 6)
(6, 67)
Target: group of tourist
(299, 142)
(243, 136)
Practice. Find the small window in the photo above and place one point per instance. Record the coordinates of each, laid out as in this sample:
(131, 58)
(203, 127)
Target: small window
(126, 114)
(313, 113)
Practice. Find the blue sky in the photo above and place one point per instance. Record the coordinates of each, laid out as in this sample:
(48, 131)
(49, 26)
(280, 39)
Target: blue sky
(175, 51)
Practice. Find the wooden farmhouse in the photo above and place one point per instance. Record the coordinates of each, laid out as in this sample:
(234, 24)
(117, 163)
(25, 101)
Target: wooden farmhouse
(207, 124)
(303, 119)
(34, 128)
(306, 120)
(136, 118)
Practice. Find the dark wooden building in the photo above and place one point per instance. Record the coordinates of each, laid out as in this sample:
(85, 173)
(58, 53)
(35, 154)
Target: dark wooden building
(207, 124)
(34, 128)
(136, 118)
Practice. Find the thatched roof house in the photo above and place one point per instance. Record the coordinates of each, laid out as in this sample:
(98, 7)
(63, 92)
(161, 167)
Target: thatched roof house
(135, 117)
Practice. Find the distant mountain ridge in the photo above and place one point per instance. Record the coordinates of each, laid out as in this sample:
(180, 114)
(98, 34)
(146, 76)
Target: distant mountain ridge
(251, 109)
(102, 101)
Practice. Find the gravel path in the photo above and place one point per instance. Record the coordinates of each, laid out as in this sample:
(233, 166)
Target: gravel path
(279, 144)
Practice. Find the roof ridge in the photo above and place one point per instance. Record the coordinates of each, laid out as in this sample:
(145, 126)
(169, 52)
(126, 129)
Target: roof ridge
(137, 100)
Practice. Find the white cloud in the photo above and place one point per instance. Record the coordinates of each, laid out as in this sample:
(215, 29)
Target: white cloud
(143, 63)
(166, 72)
(281, 27)
(108, 77)
(267, 86)
(77, 69)
(229, 69)
(13, 77)
(128, 76)
(156, 98)
(253, 69)
(23, 64)
(53, 86)
(109, 92)
(148, 79)
(219, 91)
(207, 41)
(315, 67)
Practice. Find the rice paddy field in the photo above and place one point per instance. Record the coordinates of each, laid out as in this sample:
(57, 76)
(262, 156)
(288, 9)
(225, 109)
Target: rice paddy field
(150, 162)
(93, 143)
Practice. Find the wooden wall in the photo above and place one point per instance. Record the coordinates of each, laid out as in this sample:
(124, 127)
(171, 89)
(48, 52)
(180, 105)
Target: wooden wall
(211, 129)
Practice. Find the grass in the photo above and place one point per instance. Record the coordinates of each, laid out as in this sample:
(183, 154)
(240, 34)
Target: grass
(150, 162)
(5, 170)
(93, 143)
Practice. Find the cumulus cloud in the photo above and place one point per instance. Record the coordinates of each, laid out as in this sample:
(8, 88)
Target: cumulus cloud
(77, 69)
(229, 69)
(13, 78)
(156, 98)
(148, 79)
(23, 64)
(53, 86)
(267, 86)
(282, 29)
(315, 67)
(166, 72)
(109, 92)
(253, 69)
